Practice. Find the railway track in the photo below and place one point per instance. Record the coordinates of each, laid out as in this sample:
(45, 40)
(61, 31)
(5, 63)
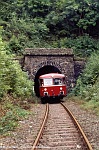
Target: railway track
(60, 130)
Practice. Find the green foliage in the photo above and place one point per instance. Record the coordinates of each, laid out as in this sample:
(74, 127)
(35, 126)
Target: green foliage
(3, 70)
(21, 85)
(83, 46)
(88, 84)
(10, 121)
(30, 23)
(12, 79)
(91, 71)
(93, 105)
(14, 45)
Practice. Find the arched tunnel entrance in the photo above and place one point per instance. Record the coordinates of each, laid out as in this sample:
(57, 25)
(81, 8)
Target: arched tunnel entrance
(41, 71)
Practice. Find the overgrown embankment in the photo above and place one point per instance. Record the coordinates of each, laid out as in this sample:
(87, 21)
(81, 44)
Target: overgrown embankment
(15, 88)
(87, 87)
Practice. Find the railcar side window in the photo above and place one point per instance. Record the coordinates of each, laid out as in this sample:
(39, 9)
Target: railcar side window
(57, 81)
(41, 82)
(48, 81)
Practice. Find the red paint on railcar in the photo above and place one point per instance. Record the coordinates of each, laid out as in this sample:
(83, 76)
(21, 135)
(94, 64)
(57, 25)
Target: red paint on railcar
(52, 85)
(53, 91)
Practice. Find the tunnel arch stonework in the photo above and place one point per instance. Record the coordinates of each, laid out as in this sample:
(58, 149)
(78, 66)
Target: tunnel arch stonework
(63, 59)
(48, 63)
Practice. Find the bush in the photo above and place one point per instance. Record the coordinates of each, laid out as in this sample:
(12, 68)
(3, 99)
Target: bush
(22, 86)
(10, 120)
(14, 45)
(88, 83)
(83, 46)
(12, 79)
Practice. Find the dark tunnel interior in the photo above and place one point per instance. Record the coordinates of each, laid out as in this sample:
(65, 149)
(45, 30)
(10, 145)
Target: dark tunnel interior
(41, 71)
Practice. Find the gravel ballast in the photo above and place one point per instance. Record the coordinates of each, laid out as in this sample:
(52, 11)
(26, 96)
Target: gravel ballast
(24, 135)
(88, 121)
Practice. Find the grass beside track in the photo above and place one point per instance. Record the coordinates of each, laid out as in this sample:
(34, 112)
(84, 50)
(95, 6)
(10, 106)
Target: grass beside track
(11, 111)
(92, 106)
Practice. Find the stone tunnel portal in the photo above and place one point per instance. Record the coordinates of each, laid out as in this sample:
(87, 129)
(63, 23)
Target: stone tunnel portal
(44, 70)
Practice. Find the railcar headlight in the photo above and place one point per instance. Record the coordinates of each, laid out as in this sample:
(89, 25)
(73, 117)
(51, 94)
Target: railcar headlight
(45, 89)
(61, 88)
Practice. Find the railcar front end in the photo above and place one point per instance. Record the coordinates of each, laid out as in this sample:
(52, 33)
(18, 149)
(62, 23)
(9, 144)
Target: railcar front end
(52, 86)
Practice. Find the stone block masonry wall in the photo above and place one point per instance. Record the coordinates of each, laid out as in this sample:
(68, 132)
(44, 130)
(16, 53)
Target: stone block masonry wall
(63, 59)
(79, 65)
(64, 64)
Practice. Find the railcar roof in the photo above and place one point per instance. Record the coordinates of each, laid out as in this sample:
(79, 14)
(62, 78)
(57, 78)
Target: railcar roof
(52, 75)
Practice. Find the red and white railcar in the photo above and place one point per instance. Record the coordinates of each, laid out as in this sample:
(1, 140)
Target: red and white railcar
(52, 85)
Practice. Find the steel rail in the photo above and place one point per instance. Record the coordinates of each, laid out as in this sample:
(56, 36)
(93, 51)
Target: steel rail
(41, 129)
(79, 127)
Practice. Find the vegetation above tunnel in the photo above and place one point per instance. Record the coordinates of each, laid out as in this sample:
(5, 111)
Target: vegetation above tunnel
(44, 23)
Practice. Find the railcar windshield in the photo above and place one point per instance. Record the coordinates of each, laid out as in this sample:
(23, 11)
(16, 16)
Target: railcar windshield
(48, 81)
(58, 81)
